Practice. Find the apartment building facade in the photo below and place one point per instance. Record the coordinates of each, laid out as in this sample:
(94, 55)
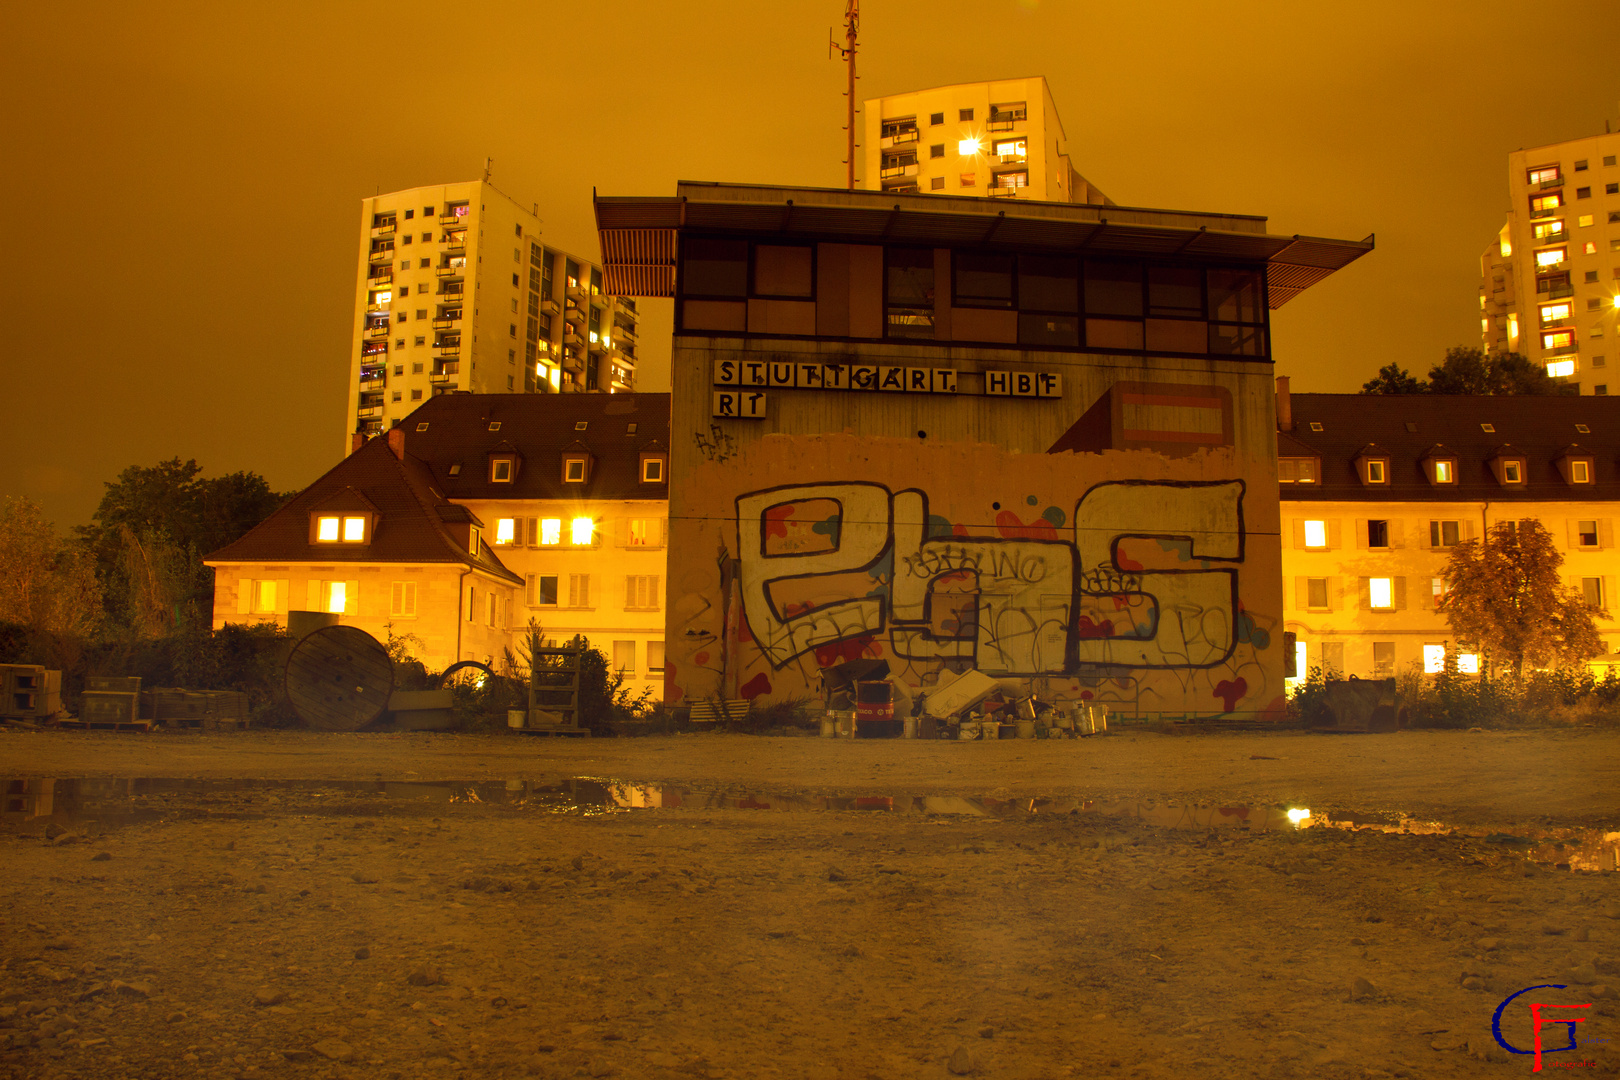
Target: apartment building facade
(998, 139)
(475, 516)
(1550, 281)
(456, 292)
(956, 433)
(1377, 490)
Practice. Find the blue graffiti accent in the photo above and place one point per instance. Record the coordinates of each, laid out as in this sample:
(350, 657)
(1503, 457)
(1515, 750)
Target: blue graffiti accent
(1031, 500)
(1496, 1022)
(940, 528)
(1247, 631)
(883, 569)
(1181, 549)
(1055, 515)
(829, 528)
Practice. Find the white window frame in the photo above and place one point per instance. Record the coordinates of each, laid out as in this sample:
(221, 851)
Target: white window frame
(402, 600)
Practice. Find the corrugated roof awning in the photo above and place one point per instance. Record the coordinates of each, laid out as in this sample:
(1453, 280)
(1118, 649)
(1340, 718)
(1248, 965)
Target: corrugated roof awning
(638, 237)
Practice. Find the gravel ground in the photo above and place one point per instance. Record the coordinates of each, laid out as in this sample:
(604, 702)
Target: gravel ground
(325, 932)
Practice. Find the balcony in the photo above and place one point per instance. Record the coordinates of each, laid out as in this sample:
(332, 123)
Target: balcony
(375, 331)
(452, 287)
(550, 306)
(382, 255)
(1548, 212)
(899, 135)
(1003, 192)
(446, 320)
(1007, 119)
(375, 352)
(599, 299)
(1555, 182)
(454, 215)
(448, 349)
(367, 412)
(624, 330)
(574, 314)
(575, 288)
(1555, 291)
(898, 170)
(370, 427)
(444, 372)
(1009, 159)
(372, 380)
(573, 362)
(384, 228)
(455, 242)
(452, 267)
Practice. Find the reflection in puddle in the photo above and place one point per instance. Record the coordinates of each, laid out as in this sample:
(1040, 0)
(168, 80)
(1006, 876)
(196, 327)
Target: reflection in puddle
(114, 801)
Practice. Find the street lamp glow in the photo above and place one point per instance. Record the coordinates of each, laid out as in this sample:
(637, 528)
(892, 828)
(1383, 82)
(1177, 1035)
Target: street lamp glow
(968, 147)
(1617, 299)
(1298, 815)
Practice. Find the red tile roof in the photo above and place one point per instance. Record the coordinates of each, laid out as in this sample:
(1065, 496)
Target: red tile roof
(1406, 427)
(538, 428)
(410, 527)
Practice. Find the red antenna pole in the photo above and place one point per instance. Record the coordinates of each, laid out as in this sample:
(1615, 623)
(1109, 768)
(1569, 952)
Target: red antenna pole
(852, 29)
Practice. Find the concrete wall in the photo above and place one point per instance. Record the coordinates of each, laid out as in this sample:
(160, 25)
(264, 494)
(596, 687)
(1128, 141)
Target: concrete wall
(935, 530)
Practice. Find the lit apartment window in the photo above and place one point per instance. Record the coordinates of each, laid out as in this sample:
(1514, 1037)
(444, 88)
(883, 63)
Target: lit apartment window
(1545, 204)
(1552, 256)
(1468, 663)
(1558, 339)
(1544, 173)
(1437, 592)
(1316, 534)
(1583, 221)
(1381, 593)
(968, 147)
(1016, 148)
(505, 531)
(550, 531)
(645, 532)
(327, 529)
(1586, 533)
(351, 530)
(334, 597)
(1444, 533)
(1560, 368)
(581, 531)
(1554, 312)
(1548, 230)
(1434, 659)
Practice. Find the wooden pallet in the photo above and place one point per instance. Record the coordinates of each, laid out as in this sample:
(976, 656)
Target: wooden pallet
(105, 725)
(711, 711)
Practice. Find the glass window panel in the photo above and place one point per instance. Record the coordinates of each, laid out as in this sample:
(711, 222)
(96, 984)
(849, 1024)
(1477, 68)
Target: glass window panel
(1113, 288)
(1234, 295)
(1316, 592)
(1113, 334)
(1046, 283)
(983, 280)
(581, 530)
(710, 267)
(354, 529)
(1175, 290)
(1381, 591)
(781, 271)
(327, 529)
(1228, 340)
(1315, 534)
(1041, 329)
(911, 276)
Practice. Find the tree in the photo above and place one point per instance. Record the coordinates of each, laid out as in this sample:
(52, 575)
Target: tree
(1504, 595)
(1469, 370)
(1394, 379)
(47, 586)
(153, 529)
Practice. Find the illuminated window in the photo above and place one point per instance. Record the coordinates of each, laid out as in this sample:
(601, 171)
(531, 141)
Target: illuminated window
(1546, 230)
(550, 531)
(354, 530)
(327, 530)
(1300, 658)
(1316, 534)
(1586, 533)
(1583, 221)
(474, 538)
(1437, 590)
(1381, 593)
(334, 596)
(968, 147)
(1559, 368)
(264, 596)
(1580, 472)
(581, 530)
(1544, 173)
(1468, 663)
(1014, 147)
(1445, 471)
(645, 532)
(1546, 203)
(505, 531)
(1551, 257)
(1434, 659)
(1552, 312)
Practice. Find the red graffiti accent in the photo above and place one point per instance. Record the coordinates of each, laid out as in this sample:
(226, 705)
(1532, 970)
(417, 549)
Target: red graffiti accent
(1100, 629)
(776, 519)
(672, 693)
(754, 687)
(796, 609)
(1239, 812)
(955, 577)
(960, 532)
(1011, 528)
(701, 658)
(745, 633)
(1277, 710)
(1230, 690)
(1085, 695)
(1124, 561)
(863, 647)
(1121, 602)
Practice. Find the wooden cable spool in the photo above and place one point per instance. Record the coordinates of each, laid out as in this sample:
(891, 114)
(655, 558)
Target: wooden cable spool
(339, 678)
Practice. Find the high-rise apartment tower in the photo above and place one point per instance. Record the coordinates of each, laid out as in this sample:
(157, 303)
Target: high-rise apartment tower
(997, 139)
(456, 291)
(1550, 281)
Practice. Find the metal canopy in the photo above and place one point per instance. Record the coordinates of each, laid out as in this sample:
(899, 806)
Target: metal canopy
(638, 236)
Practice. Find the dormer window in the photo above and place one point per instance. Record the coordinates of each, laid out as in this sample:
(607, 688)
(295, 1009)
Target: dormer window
(574, 470)
(1296, 470)
(500, 470)
(652, 468)
(473, 539)
(1508, 466)
(1372, 465)
(1440, 466)
(1512, 472)
(1576, 466)
(341, 529)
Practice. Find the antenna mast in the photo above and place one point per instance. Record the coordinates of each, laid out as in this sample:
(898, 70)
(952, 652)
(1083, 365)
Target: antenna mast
(852, 29)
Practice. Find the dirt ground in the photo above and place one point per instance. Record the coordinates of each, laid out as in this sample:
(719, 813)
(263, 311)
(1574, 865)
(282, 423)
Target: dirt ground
(327, 931)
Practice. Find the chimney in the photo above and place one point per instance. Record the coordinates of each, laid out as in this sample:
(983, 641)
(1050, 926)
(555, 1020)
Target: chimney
(1285, 406)
(356, 441)
(396, 442)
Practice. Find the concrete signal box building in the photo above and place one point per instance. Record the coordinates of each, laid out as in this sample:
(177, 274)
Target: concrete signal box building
(953, 433)
(992, 139)
(456, 291)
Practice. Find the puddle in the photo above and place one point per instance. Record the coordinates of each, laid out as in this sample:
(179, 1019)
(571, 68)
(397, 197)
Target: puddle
(111, 802)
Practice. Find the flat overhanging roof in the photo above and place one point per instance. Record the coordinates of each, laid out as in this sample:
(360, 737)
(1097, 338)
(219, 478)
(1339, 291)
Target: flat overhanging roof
(638, 234)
